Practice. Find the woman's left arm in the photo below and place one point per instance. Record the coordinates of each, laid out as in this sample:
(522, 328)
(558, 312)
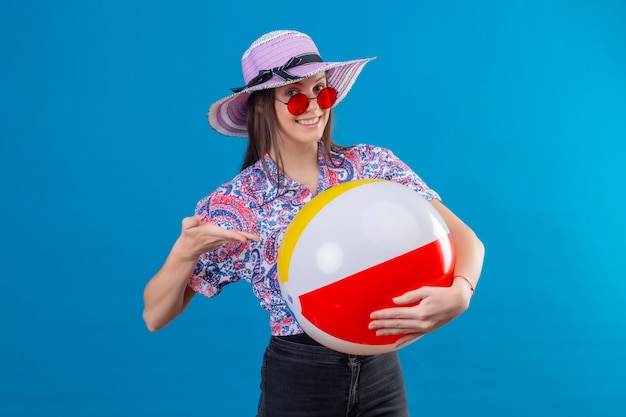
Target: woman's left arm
(437, 305)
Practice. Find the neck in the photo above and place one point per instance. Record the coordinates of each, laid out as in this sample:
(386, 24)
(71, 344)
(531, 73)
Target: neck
(300, 163)
(295, 156)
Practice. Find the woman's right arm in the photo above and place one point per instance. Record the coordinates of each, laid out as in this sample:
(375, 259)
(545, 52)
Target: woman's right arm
(166, 295)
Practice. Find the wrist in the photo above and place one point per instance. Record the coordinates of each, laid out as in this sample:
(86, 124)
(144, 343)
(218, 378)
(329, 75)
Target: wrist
(180, 253)
(465, 282)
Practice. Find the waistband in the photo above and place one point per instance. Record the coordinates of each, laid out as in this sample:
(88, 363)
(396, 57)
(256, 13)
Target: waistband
(283, 345)
(302, 338)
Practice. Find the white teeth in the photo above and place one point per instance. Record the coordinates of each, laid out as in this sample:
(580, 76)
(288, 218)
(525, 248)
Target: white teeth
(308, 122)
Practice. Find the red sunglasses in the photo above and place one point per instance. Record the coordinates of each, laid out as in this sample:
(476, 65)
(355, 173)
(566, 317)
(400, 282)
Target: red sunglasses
(299, 103)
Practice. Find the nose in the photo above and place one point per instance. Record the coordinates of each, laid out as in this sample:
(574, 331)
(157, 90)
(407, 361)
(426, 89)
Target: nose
(313, 103)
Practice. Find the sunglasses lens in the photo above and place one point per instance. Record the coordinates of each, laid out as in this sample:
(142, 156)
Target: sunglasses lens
(298, 104)
(327, 98)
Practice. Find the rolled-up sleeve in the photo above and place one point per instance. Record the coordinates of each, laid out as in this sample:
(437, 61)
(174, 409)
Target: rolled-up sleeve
(387, 166)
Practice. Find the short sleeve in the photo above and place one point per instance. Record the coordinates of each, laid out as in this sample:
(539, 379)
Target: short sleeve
(227, 263)
(383, 164)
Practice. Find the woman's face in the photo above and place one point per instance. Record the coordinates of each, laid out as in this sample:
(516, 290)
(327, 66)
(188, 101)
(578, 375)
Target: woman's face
(307, 127)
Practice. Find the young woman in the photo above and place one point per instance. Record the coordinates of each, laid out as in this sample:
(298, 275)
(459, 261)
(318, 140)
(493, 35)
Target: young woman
(285, 110)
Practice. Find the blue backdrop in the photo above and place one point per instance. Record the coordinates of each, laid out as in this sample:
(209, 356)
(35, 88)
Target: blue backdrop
(515, 112)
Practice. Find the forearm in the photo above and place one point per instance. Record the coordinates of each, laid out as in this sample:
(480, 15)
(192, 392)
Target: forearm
(469, 250)
(167, 294)
(427, 308)
(164, 295)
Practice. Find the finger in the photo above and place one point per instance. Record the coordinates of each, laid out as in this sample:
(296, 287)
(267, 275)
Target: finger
(391, 327)
(394, 313)
(233, 235)
(393, 323)
(227, 235)
(393, 332)
(251, 236)
(412, 297)
(409, 338)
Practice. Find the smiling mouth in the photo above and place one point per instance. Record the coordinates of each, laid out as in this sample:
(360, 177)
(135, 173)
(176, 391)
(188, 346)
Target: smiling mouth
(308, 122)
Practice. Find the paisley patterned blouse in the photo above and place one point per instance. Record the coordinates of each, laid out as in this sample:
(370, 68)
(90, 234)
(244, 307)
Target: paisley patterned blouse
(251, 202)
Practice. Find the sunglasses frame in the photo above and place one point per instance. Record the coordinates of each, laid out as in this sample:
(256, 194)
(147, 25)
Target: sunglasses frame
(329, 88)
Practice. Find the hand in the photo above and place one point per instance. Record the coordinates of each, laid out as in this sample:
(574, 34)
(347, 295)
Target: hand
(197, 237)
(436, 306)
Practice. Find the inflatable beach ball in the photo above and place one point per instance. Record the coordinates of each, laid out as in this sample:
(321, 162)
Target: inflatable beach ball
(353, 248)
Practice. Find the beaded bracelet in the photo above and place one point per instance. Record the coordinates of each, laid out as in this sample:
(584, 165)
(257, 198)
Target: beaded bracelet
(468, 283)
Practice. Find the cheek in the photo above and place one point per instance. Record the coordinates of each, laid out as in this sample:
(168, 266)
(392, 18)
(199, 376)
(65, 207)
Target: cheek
(282, 118)
(281, 112)
(278, 106)
(326, 117)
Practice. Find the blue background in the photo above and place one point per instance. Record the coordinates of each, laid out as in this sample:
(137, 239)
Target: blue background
(515, 112)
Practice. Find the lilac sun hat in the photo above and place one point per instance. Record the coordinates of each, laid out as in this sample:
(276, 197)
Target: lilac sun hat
(278, 58)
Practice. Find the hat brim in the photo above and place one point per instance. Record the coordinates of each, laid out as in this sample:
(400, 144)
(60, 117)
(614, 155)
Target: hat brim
(228, 115)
